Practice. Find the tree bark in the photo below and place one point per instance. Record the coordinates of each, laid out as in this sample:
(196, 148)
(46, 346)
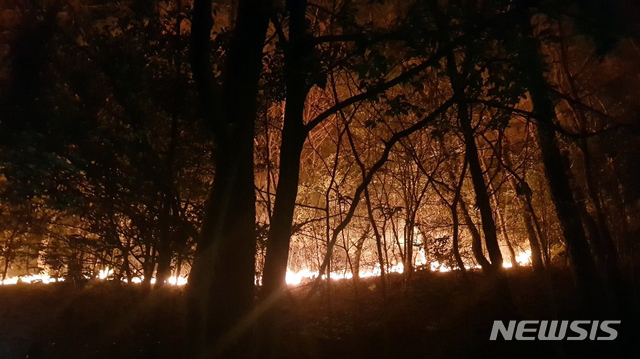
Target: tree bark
(456, 221)
(221, 284)
(476, 239)
(522, 192)
(458, 84)
(501, 221)
(555, 171)
(8, 253)
(607, 250)
(480, 189)
(294, 134)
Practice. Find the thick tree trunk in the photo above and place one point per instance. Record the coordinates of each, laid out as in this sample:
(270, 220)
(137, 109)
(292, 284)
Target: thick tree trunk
(471, 155)
(607, 251)
(556, 172)
(279, 236)
(480, 189)
(294, 134)
(221, 284)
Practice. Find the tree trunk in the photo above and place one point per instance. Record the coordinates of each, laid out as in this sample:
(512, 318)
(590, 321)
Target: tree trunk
(163, 271)
(8, 253)
(501, 221)
(169, 206)
(408, 243)
(456, 235)
(476, 240)
(456, 221)
(148, 266)
(293, 136)
(555, 171)
(221, 284)
(480, 189)
(471, 155)
(607, 250)
(358, 254)
(521, 189)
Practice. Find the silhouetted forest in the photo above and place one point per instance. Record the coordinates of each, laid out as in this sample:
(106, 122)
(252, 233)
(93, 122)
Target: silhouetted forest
(316, 179)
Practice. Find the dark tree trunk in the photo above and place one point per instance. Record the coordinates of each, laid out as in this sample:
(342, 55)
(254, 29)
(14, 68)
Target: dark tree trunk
(163, 271)
(607, 250)
(522, 191)
(125, 268)
(379, 245)
(408, 243)
(221, 284)
(480, 189)
(555, 170)
(148, 266)
(358, 255)
(501, 221)
(476, 239)
(294, 134)
(163, 258)
(471, 152)
(169, 211)
(456, 221)
(456, 236)
(8, 254)
(279, 236)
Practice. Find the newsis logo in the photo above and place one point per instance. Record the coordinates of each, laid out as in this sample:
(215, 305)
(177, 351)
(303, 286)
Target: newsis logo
(555, 330)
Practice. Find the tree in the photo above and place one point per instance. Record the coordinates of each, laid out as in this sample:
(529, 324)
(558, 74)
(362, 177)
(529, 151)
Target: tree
(219, 302)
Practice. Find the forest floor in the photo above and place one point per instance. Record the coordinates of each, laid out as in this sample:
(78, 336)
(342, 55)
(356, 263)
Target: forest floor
(434, 315)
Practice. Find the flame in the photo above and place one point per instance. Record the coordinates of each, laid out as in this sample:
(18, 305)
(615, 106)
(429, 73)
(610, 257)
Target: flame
(524, 258)
(103, 275)
(31, 279)
(177, 280)
(304, 275)
(439, 267)
(293, 278)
